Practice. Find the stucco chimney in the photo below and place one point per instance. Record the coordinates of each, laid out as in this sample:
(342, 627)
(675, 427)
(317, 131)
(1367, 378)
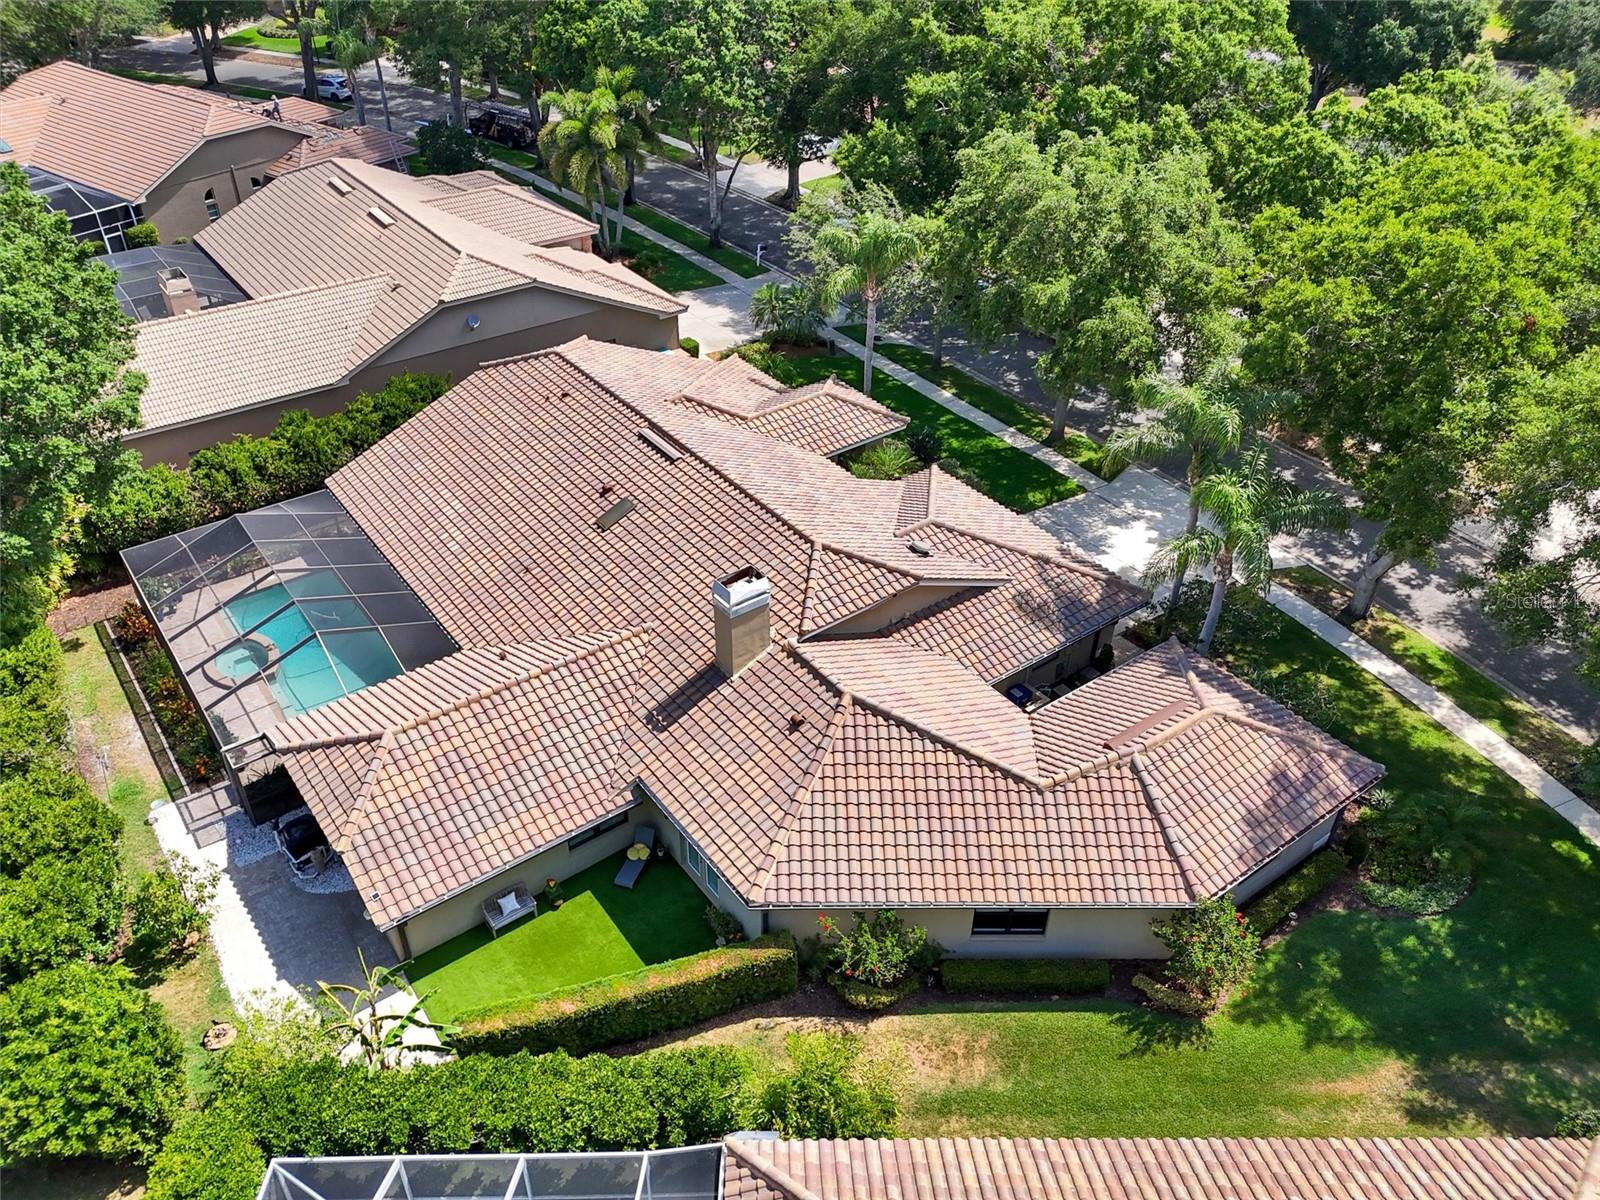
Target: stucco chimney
(178, 292)
(741, 605)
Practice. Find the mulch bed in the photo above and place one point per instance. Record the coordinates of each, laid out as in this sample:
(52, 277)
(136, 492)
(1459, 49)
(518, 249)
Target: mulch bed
(88, 608)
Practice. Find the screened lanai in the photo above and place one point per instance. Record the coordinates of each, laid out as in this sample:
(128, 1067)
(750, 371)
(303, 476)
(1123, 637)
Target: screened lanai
(275, 612)
(692, 1173)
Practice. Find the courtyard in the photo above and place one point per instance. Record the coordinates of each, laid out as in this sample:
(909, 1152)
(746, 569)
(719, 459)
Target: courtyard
(601, 929)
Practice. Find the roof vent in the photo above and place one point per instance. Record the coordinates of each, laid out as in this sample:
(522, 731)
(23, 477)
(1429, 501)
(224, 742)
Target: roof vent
(340, 186)
(381, 217)
(920, 549)
(796, 721)
(669, 449)
(615, 513)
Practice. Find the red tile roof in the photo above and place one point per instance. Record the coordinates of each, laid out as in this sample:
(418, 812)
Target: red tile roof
(1156, 1169)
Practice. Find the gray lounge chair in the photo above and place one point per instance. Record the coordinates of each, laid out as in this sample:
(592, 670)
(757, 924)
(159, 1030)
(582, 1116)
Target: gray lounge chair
(632, 868)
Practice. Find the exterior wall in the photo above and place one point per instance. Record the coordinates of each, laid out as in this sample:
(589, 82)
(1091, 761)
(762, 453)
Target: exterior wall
(439, 346)
(224, 165)
(1065, 662)
(1291, 856)
(1069, 933)
(465, 910)
(677, 843)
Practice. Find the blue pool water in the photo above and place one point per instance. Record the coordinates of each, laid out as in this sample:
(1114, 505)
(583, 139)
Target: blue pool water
(320, 670)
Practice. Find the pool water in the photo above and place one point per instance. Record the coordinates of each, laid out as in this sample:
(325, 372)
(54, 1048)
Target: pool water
(324, 668)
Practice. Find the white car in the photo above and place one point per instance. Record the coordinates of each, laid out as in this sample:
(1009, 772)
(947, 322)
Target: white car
(333, 87)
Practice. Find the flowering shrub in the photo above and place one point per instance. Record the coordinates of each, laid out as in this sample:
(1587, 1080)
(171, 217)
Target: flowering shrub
(725, 926)
(1213, 948)
(880, 950)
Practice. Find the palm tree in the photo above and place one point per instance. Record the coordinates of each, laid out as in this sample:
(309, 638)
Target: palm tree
(380, 1038)
(865, 256)
(1201, 423)
(581, 148)
(636, 132)
(1248, 504)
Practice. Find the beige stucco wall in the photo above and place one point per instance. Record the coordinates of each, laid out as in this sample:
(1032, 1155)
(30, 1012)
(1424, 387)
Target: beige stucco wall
(1069, 932)
(224, 165)
(441, 345)
(1291, 856)
(464, 911)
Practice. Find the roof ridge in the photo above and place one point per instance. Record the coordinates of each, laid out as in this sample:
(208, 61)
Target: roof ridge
(960, 747)
(809, 595)
(262, 299)
(802, 793)
(770, 1173)
(1158, 809)
(1055, 557)
(822, 388)
(344, 837)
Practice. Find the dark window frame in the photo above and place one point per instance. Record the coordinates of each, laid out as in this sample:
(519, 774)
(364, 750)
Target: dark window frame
(1011, 922)
(598, 830)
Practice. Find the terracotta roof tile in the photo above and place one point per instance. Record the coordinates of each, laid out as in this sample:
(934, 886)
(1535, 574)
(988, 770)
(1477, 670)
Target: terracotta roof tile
(364, 142)
(1155, 1169)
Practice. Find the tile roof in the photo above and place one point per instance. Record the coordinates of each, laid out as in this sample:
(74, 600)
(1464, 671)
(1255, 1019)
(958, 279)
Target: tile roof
(114, 133)
(367, 143)
(483, 758)
(292, 109)
(1155, 1169)
(824, 418)
(848, 763)
(205, 363)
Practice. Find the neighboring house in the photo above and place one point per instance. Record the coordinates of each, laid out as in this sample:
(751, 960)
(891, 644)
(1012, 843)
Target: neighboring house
(753, 1166)
(109, 151)
(657, 601)
(350, 274)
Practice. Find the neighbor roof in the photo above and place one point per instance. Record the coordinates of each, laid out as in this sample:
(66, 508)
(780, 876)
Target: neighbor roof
(364, 142)
(292, 109)
(317, 263)
(112, 133)
(1155, 1169)
(849, 763)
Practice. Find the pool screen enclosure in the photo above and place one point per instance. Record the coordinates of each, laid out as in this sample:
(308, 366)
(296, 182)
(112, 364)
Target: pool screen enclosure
(275, 612)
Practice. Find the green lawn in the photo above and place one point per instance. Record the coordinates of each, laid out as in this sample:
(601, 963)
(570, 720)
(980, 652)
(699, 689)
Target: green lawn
(1023, 418)
(601, 930)
(1529, 730)
(736, 261)
(254, 39)
(192, 993)
(1484, 1019)
(233, 89)
(998, 470)
(824, 185)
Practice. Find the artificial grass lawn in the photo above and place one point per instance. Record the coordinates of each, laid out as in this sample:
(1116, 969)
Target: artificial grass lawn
(192, 993)
(1484, 1019)
(999, 470)
(601, 930)
(736, 261)
(1529, 730)
(1080, 448)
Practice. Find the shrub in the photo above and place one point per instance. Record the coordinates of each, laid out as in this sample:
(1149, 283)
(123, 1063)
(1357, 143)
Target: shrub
(763, 357)
(242, 473)
(888, 459)
(790, 313)
(142, 506)
(648, 261)
(868, 998)
(446, 150)
(826, 1093)
(1213, 948)
(88, 1066)
(168, 905)
(689, 346)
(520, 1104)
(1421, 851)
(1025, 976)
(59, 909)
(33, 717)
(880, 949)
(1171, 998)
(133, 626)
(50, 811)
(187, 732)
(1580, 1123)
(924, 442)
(725, 927)
(638, 1004)
(1307, 881)
(141, 234)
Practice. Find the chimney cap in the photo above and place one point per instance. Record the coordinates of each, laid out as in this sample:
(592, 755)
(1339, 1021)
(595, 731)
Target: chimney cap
(744, 591)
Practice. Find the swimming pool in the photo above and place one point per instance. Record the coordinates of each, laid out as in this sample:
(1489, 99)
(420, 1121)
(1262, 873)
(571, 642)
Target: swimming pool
(311, 670)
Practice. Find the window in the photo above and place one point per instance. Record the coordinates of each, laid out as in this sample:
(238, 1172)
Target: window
(1009, 922)
(255, 183)
(691, 857)
(594, 831)
(212, 210)
(713, 881)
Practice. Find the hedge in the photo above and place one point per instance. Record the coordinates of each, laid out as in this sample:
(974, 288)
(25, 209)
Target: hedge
(518, 1104)
(869, 997)
(1025, 976)
(51, 811)
(33, 715)
(689, 346)
(638, 1004)
(60, 909)
(1310, 879)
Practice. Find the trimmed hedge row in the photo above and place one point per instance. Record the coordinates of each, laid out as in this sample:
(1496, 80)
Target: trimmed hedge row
(33, 715)
(519, 1104)
(1025, 976)
(639, 1004)
(1310, 879)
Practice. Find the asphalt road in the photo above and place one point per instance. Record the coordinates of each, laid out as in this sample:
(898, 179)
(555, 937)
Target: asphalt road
(1432, 599)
